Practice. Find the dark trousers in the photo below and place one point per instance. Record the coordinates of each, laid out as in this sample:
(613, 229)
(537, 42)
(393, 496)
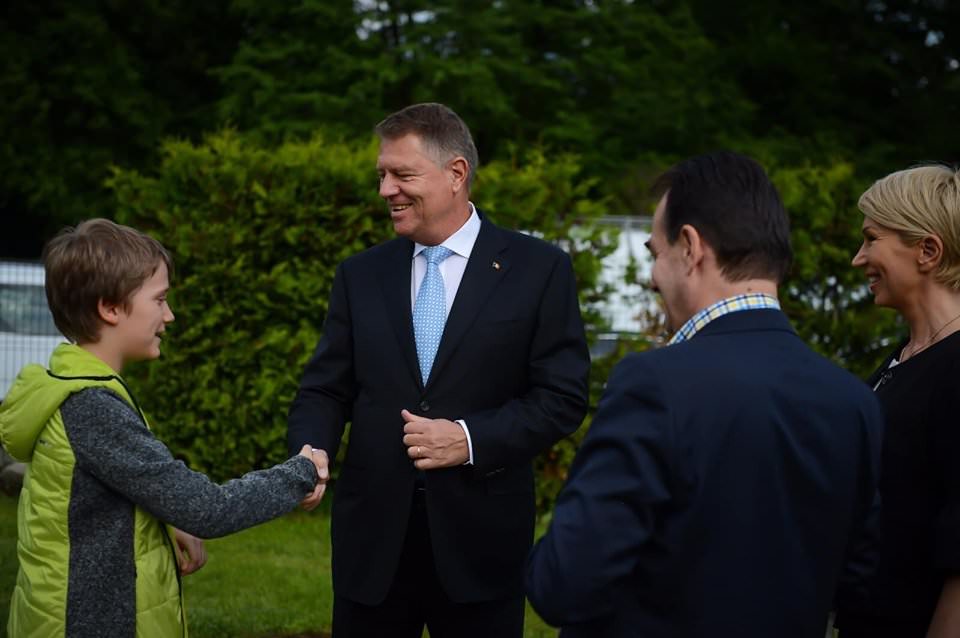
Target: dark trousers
(416, 599)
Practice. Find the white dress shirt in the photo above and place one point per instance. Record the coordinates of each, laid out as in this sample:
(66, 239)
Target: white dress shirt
(451, 269)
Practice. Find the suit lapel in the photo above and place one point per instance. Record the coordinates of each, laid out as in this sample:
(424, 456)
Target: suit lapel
(395, 283)
(485, 269)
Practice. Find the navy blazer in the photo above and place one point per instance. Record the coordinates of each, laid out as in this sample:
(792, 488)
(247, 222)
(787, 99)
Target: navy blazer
(717, 493)
(512, 363)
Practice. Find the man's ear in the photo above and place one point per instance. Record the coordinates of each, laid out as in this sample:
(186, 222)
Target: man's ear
(692, 245)
(930, 253)
(109, 312)
(459, 171)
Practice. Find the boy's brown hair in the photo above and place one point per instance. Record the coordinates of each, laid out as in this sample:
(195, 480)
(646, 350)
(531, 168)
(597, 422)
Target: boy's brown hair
(98, 259)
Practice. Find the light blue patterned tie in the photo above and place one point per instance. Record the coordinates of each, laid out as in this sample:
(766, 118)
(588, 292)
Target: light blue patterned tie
(430, 311)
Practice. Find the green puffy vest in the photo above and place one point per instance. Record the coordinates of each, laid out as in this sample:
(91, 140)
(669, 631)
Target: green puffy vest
(32, 431)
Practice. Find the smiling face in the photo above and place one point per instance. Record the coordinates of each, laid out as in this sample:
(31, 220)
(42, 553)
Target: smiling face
(141, 324)
(427, 201)
(891, 266)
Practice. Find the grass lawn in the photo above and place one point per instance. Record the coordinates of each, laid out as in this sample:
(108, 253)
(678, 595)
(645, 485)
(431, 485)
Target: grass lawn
(8, 556)
(272, 580)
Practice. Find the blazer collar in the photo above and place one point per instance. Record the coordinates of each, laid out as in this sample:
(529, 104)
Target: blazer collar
(748, 320)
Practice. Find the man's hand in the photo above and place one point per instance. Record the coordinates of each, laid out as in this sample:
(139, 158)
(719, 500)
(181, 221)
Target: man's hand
(322, 463)
(434, 443)
(191, 555)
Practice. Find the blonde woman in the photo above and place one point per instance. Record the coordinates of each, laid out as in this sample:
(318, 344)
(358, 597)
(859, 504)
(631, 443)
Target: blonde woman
(911, 257)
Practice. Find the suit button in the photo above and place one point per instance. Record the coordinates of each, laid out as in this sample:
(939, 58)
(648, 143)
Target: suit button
(424, 406)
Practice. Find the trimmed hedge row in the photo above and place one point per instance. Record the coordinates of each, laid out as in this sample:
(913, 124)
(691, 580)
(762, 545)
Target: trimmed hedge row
(256, 234)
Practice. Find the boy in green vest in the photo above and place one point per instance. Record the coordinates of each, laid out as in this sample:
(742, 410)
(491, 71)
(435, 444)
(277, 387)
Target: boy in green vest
(103, 501)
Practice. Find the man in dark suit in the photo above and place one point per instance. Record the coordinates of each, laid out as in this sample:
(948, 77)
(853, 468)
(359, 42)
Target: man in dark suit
(457, 353)
(725, 476)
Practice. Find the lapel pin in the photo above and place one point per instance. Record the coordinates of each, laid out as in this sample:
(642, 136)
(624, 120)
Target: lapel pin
(496, 265)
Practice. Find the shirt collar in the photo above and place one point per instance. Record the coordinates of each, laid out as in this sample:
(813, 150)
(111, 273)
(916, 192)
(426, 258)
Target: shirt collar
(696, 323)
(462, 241)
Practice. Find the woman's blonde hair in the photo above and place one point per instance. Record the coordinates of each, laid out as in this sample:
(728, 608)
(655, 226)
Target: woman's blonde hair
(917, 202)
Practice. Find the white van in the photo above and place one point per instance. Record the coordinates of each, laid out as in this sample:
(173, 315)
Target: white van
(27, 332)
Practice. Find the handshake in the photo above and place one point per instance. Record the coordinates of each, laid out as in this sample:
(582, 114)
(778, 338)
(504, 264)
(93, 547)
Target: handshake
(320, 460)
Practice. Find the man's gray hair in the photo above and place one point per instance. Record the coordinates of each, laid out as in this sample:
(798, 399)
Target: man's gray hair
(444, 135)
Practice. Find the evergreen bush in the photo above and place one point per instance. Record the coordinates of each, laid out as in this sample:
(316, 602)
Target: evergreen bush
(256, 233)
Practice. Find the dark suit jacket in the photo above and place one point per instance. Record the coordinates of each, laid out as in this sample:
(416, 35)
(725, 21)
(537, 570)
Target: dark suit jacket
(512, 363)
(718, 490)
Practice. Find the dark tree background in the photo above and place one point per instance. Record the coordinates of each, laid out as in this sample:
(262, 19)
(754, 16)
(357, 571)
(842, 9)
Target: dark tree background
(828, 94)
(629, 86)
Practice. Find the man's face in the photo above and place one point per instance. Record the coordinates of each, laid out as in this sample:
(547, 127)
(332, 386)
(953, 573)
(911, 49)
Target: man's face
(670, 270)
(420, 193)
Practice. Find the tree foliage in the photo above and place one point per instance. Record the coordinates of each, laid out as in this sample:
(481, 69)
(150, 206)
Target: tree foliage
(880, 78)
(607, 83)
(575, 105)
(87, 85)
(621, 83)
(255, 236)
(826, 299)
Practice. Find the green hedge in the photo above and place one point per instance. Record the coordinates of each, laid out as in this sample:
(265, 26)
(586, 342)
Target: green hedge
(256, 234)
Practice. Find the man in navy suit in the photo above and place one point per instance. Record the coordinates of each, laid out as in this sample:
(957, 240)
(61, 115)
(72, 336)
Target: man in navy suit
(726, 476)
(457, 353)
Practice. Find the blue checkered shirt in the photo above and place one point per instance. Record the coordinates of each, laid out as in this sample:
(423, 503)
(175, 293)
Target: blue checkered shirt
(751, 301)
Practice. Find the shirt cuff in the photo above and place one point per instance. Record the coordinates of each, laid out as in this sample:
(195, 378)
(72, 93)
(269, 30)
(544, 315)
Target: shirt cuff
(466, 431)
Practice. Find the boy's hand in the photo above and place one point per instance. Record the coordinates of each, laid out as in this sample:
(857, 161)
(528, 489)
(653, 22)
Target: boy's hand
(321, 462)
(192, 555)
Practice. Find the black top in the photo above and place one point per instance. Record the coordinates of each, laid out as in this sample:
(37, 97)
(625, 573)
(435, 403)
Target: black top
(919, 490)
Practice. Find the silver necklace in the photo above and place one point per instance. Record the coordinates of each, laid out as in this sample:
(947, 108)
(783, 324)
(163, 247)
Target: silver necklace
(904, 355)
